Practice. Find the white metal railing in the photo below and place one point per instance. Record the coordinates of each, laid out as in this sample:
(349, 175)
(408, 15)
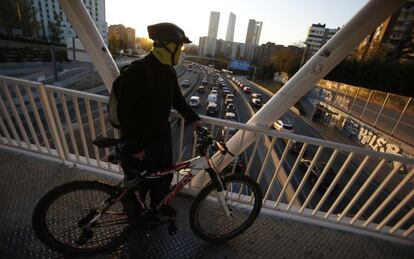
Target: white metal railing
(340, 185)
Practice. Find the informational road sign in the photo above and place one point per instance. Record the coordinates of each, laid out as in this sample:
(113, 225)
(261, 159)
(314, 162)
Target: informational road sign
(239, 64)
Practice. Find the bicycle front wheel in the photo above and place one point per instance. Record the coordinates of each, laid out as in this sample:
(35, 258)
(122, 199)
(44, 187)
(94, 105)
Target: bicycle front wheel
(61, 219)
(210, 221)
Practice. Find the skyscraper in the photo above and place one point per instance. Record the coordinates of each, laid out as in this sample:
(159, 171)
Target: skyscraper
(213, 24)
(230, 27)
(253, 32)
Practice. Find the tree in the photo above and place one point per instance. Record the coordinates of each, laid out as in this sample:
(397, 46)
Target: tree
(54, 29)
(18, 14)
(145, 43)
(191, 49)
(287, 59)
(114, 43)
(381, 74)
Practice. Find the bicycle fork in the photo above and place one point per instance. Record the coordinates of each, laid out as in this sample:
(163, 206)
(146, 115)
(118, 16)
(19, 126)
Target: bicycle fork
(215, 178)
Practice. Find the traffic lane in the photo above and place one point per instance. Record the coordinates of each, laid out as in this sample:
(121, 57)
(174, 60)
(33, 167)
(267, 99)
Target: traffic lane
(280, 144)
(245, 113)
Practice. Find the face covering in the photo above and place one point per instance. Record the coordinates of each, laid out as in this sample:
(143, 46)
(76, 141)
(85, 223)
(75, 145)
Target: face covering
(166, 54)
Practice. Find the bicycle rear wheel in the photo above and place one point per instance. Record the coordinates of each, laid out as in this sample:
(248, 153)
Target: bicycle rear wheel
(208, 218)
(60, 217)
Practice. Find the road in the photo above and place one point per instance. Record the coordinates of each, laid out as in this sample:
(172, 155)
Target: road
(368, 112)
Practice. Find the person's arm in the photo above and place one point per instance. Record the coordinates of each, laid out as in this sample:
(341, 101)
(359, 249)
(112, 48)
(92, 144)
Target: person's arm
(131, 109)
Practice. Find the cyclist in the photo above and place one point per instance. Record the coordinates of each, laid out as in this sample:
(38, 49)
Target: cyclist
(149, 91)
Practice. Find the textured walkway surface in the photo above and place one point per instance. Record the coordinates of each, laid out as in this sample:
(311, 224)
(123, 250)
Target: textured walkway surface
(24, 179)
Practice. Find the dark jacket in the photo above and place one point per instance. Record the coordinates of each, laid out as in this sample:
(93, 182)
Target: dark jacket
(148, 91)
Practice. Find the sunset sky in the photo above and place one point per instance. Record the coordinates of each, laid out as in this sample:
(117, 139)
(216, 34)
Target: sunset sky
(284, 22)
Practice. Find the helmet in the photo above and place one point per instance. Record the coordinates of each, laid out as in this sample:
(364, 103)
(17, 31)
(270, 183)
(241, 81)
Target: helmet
(167, 32)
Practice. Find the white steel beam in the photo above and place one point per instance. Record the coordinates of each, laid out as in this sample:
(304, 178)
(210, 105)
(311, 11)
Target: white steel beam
(91, 40)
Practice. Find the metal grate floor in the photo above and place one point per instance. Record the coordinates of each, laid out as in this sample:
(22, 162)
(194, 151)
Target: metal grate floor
(24, 179)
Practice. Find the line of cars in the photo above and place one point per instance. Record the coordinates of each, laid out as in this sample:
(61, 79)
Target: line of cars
(243, 87)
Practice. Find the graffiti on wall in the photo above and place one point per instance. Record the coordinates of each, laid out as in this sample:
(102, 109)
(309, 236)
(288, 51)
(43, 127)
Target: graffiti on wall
(366, 136)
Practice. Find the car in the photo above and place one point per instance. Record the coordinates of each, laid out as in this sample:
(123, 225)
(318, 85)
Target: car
(316, 172)
(212, 98)
(204, 81)
(228, 101)
(195, 101)
(246, 89)
(215, 88)
(212, 109)
(295, 147)
(230, 116)
(228, 132)
(230, 96)
(230, 107)
(225, 92)
(256, 102)
(214, 91)
(283, 126)
(185, 83)
(189, 69)
(256, 96)
(201, 89)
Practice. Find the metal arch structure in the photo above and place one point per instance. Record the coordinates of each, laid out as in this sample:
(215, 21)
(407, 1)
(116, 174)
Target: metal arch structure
(333, 52)
(91, 40)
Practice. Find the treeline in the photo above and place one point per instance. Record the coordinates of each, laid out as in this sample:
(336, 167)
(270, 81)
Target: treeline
(378, 74)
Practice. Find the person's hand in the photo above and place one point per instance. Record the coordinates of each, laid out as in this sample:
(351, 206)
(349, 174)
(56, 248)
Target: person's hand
(196, 124)
(139, 156)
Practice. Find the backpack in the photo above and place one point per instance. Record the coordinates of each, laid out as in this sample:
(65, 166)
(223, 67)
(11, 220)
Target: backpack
(114, 95)
(113, 98)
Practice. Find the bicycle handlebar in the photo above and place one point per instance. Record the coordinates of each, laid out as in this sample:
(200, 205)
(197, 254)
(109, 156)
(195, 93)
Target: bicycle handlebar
(205, 139)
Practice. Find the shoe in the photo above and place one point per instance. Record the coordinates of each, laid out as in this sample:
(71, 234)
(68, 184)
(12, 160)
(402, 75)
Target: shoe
(167, 210)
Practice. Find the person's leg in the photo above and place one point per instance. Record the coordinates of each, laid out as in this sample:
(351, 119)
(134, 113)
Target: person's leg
(159, 189)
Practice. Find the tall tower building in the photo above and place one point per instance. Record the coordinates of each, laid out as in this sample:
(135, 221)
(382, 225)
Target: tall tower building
(253, 32)
(230, 27)
(213, 24)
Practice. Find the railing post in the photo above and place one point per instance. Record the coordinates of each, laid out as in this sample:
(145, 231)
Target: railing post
(356, 95)
(402, 114)
(51, 121)
(366, 104)
(382, 108)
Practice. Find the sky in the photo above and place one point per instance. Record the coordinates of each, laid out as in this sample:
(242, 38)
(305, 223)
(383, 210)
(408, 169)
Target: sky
(284, 21)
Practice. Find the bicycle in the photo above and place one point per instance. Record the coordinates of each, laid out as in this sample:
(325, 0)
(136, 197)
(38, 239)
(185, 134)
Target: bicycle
(63, 222)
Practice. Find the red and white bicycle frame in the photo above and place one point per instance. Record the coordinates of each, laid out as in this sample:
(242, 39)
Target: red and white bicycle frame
(196, 165)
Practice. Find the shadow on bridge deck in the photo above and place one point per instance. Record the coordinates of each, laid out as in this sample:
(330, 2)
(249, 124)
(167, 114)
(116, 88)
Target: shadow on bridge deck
(24, 179)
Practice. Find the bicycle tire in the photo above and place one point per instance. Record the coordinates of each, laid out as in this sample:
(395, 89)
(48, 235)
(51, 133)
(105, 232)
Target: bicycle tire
(203, 197)
(43, 223)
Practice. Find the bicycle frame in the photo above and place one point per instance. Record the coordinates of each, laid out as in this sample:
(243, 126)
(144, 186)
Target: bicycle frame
(197, 164)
